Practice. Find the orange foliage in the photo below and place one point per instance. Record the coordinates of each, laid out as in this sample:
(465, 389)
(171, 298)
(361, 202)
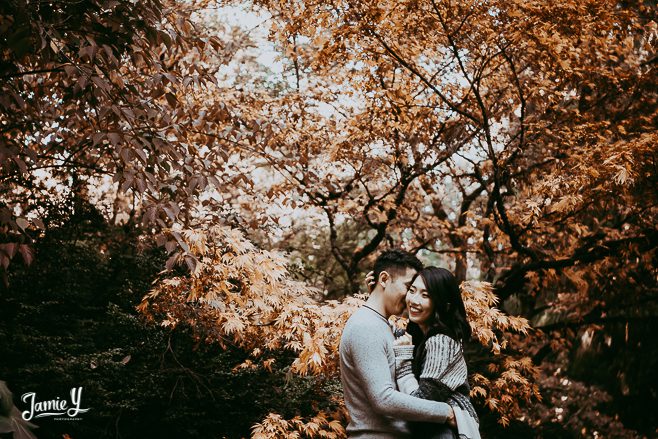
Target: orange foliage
(237, 294)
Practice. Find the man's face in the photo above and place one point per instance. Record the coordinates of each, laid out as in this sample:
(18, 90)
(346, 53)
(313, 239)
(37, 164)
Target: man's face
(397, 284)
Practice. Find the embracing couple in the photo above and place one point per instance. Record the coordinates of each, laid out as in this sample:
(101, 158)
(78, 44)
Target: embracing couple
(415, 385)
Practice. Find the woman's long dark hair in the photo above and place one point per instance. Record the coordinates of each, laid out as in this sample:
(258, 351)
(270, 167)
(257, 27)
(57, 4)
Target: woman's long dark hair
(449, 315)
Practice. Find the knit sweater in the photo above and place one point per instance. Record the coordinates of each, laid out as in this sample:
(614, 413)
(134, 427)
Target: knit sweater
(443, 377)
(367, 371)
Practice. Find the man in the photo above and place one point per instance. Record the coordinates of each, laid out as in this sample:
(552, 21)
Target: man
(367, 362)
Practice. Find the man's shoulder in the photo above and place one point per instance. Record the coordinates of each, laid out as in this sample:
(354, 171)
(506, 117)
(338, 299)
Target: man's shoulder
(361, 324)
(362, 319)
(364, 336)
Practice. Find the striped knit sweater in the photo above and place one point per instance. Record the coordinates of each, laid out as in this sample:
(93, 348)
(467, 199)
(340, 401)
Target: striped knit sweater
(443, 377)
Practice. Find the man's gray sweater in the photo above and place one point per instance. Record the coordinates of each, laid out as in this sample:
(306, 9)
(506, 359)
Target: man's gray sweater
(367, 372)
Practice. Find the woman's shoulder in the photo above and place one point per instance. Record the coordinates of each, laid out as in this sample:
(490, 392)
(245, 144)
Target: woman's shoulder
(443, 341)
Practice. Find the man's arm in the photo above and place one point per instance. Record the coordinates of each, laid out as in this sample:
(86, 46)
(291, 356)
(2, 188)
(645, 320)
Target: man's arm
(371, 363)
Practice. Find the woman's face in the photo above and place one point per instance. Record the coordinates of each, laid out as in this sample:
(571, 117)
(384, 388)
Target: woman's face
(419, 304)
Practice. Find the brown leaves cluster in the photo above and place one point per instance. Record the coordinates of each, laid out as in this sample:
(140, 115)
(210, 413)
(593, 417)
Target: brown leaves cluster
(239, 295)
(512, 382)
(319, 426)
(115, 98)
(485, 319)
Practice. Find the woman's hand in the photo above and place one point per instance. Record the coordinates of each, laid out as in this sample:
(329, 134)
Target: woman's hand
(403, 340)
(370, 281)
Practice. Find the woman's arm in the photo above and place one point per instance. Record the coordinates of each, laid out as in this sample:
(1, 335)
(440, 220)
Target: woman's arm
(444, 362)
(443, 371)
(404, 376)
(425, 388)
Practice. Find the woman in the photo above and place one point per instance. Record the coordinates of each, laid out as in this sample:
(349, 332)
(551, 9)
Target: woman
(433, 367)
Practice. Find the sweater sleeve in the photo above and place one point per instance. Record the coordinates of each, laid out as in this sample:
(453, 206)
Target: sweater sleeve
(404, 376)
(444, 361)
(371, 360)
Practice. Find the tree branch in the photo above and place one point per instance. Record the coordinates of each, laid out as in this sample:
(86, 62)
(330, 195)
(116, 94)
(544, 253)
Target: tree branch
(513, 280)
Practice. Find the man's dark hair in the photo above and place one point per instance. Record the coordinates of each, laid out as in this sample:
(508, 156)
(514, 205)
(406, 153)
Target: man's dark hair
(396, 261)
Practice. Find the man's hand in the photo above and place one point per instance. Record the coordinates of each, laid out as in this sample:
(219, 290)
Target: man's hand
(451, 421)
